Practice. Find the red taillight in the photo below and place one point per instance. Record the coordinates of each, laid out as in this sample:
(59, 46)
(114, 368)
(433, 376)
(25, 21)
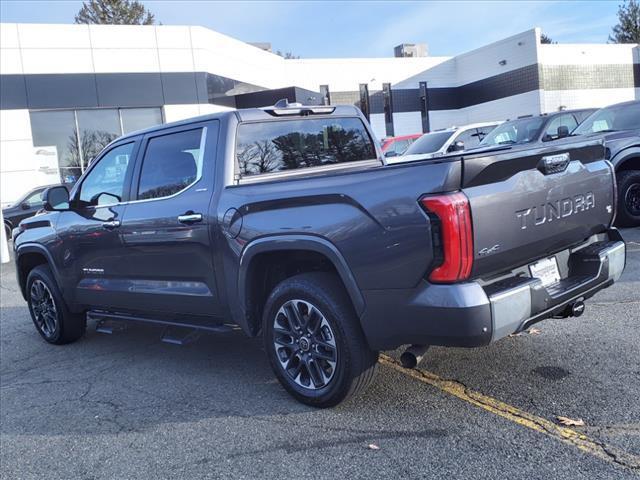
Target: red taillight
(456, 236)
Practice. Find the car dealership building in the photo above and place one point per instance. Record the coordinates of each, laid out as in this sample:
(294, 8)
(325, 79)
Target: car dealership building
(67, 90)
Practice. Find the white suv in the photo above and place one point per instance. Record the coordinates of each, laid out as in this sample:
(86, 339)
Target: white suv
(441, 142)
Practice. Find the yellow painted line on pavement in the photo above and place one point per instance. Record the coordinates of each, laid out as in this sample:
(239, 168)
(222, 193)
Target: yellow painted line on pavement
(519, 417)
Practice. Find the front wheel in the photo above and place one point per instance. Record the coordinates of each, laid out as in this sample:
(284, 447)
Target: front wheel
(628, 198)
(314, 341)
(50, 315)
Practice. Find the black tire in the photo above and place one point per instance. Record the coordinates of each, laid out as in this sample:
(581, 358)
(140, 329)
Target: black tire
(323, 294)
(55, 324)
(628, 198)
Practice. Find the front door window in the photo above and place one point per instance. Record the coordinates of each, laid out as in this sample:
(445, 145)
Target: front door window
(105, 183)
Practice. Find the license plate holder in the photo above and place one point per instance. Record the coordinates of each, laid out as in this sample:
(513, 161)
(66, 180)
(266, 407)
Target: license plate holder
(546, 270)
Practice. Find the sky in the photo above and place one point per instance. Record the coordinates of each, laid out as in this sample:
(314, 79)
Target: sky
(330, 29)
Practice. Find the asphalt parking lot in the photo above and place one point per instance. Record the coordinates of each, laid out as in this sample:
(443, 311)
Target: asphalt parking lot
(129, 406)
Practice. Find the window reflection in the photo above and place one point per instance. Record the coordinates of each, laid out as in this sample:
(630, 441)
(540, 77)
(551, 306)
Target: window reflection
(98, 128)
(72, 138)
(56, 133)
(139, 118)
(171, 163)
(294, 144)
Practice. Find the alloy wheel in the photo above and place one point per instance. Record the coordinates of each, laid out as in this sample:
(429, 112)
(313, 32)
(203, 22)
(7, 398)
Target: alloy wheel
(44, 308)
(305, 344)
(632, 199)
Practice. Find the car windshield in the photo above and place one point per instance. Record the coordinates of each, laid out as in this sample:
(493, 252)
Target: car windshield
(429, 143)
(523, 130)
(617, 117)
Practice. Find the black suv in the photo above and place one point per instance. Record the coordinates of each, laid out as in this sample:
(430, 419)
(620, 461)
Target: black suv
(26, 206)
(287, 222)
(619, 127)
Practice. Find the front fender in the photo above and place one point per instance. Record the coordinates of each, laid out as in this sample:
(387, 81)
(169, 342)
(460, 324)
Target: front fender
(623, 156)
(25, 248)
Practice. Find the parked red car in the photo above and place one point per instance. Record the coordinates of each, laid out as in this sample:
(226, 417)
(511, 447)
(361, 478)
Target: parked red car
(394, 146)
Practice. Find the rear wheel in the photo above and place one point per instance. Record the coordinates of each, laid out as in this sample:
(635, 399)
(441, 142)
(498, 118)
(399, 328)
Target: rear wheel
(628, 198)
(314, 341)
(50, 315)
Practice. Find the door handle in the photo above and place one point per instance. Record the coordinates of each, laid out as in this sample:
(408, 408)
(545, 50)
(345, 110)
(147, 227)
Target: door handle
(190, 218)
(111, 224)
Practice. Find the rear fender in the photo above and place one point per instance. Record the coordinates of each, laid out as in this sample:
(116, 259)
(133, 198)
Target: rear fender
(295, 242)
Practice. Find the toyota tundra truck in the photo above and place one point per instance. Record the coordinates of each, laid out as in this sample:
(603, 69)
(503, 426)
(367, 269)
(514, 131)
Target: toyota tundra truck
(287, 223)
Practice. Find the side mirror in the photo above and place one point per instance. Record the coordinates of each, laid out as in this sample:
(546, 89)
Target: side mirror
(563, 131)
(56, 198)
(456, 146)
(25, 206)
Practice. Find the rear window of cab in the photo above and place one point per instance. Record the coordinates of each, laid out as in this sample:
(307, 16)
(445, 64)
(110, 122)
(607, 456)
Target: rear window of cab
(285, 145)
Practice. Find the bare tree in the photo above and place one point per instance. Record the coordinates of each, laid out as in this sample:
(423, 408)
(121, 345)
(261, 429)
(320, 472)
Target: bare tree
(114, 12)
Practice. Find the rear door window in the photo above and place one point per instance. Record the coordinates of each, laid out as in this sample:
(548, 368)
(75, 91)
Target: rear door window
(278, 146)
(171, 163)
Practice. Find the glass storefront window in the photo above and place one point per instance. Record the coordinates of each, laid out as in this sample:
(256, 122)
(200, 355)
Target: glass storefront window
(98, 128)
(139, 118)
(57, 130)
(75, 137)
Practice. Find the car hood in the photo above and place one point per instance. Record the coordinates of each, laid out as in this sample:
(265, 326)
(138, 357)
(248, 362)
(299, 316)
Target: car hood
(632, 136)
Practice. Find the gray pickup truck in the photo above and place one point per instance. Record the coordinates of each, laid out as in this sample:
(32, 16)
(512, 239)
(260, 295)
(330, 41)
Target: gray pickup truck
(287, 222)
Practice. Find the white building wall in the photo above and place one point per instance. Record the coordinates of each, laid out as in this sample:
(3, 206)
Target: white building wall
(174, 113)
(588, 54)
(517, 51)
(378, 125)
(407, 123)
(497, 110)
(20, 168)
(552, 100)
(345, 74)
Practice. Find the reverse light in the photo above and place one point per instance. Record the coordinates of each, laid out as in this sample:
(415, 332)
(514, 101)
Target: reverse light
(454, 235)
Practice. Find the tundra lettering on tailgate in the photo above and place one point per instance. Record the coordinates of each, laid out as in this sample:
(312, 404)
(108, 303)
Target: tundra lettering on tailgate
(547, 212)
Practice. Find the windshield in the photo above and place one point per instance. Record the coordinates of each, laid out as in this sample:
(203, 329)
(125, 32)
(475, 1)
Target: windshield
(523, 130)
(428, 143)
(617, 117)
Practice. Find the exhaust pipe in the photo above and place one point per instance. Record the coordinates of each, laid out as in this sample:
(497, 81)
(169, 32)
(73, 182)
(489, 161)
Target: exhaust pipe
(574, 309)
(577, 308)
(413, 355)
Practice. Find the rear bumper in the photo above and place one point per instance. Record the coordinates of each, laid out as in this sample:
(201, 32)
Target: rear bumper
(474, 313)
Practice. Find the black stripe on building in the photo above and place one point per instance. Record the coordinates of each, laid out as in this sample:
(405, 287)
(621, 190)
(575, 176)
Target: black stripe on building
(80, 90)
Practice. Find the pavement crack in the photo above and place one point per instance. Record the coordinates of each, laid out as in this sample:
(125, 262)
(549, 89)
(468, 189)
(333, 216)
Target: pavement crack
(570, 436)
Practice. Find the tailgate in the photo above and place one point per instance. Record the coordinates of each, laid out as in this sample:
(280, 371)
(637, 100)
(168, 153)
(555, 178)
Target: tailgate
(529, 204)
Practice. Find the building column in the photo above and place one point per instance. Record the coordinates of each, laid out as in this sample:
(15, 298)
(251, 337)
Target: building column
(364, 100)
(424, 107)
(388, 108)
